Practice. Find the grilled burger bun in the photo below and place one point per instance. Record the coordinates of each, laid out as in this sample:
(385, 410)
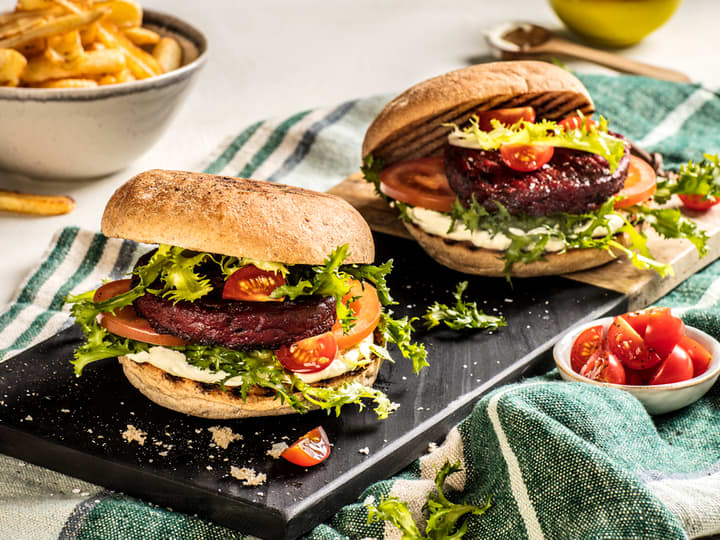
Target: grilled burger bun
(414, 125)
(239, 218)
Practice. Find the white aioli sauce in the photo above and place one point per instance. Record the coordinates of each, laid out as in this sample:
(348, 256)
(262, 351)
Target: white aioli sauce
(175, 363)
(438, 224)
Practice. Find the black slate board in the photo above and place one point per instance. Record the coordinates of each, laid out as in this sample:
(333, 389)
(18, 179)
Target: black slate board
(76, 424)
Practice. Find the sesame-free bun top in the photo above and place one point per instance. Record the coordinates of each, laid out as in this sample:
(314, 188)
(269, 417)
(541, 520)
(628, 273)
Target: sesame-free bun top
(237, 217)
(411, 125)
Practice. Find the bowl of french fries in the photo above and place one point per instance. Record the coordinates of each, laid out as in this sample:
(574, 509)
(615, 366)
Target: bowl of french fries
(87, 86)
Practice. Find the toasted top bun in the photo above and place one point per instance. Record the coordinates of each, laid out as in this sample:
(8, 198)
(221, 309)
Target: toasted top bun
(410, 126)
(237, 217)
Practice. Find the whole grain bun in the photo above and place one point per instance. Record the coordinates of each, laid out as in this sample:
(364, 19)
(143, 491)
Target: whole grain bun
(411, 125)
(210, 401)
(236, 216)
(464, 257)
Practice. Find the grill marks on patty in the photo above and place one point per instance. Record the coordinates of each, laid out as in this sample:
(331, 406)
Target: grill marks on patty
(234, 324)
(573, 181)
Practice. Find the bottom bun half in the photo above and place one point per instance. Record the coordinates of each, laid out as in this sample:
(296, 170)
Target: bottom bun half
(211, 401)
(469, 259)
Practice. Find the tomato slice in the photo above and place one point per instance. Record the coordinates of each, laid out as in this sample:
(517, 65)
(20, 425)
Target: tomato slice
(309, 355)
(699, 355)
(526, 157)
(506, 117)
(603, 366)
(589, 341)
(310, 449)
(366, 308)
(663, 332)
(639, 319)
(419, 182)
(698, 202)
(640, 184)
(629, 346)
(127, 323)
(252, 284)
(677, 367)
(575, 122)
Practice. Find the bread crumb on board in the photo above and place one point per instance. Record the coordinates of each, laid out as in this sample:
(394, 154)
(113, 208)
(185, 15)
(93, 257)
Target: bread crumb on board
(277, 449)
(249, 477)
(223, 436)
(133, 434)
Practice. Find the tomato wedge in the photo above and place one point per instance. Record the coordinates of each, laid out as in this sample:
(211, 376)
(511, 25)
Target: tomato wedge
(310, 449)
(127, 323)
(629, 346)
(589, 341)
(526, 157)
(506, 117)
(366, 308)
(639, 319)
(663, 332)
(575, 122)
(698, 202)
(604, 367)
(252, 284)
(677, 367)
(640, 184)
(309, 355)
(419, 182)
(699, 355)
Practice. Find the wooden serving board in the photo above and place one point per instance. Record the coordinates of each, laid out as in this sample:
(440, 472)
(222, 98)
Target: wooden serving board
(642, 287)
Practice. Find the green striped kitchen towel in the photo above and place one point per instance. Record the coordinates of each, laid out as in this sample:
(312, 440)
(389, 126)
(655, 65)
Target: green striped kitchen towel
(561, 460)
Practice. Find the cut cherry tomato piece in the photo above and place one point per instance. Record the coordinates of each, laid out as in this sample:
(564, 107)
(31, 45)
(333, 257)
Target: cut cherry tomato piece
(526, 157)
(310, 449)
(604, 367)
(663, 332)
(698, 202)
(507, 117)
(309, 355)
(366, 308)
(576, 122)
(589, 341)
(419, 182)
(677, 367)
(640, 183)
(628, 346)
(252, 284)
(699, 355)
(634, 377)
(127, 323)
(639, 319)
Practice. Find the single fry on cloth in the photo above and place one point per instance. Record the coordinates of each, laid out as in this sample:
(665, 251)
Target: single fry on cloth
(168, 53)
(12, 64)
(141, 36)
(69, 83)
(41, 69)
(60, 25)
(39, 205)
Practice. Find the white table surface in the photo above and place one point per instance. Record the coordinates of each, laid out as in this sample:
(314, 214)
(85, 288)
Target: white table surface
(276, 57)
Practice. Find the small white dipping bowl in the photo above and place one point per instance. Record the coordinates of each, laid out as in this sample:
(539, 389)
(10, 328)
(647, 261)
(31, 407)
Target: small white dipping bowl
(82, 133)
(657, 399)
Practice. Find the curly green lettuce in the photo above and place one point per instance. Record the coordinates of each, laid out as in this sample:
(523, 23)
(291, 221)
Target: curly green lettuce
(702, 178)
(462, 315)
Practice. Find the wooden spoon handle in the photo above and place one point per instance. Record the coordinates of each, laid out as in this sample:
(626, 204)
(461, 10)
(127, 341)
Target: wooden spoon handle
(562, 46)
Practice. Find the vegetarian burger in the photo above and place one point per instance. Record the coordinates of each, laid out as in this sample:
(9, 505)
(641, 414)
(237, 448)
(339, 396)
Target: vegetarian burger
(498, 169)
(259, 300)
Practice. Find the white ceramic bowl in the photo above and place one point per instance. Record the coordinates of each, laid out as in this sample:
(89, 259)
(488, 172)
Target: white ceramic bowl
(90, 132)
(657, 399)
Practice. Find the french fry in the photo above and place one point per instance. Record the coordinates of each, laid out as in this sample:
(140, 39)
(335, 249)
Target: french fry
(39, 205)
(88, 35)
(12, 64)
(107, 79)
(64, 48)
(69, 83)
(141, 36)
(142, 64)
(125, 76)
(19, 15)
(60, 25)
(19, 25)
(123, 13)
(40, 69)
(32, 48)
(33, 5)
(168, 53)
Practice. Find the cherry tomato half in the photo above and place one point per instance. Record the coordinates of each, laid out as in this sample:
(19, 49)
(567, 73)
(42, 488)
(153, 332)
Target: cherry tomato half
(677, 367)
(628, 346)
(506, 117)
(633, 377)
(589, 341)
(698, 354)
(310, 449)
(419, 182)
(639, 319)
(663, 332)
(252, 284)
(698, 202)
(526, 157)
(640, 183)
(575, 122)
(309, 355)
(127, 323)
(604, 367)
(366, 308)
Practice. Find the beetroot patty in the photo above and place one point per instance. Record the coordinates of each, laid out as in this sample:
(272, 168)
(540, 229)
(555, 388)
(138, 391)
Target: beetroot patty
(572, 181)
